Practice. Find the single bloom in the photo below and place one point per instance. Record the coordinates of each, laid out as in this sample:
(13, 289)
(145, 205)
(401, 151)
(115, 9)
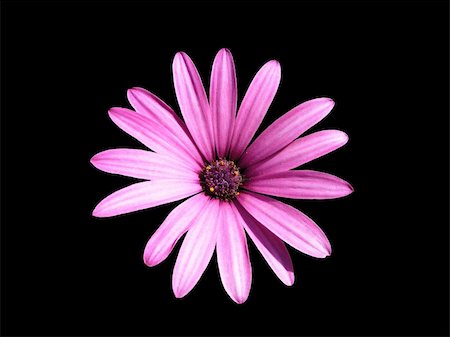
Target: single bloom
(229, 181)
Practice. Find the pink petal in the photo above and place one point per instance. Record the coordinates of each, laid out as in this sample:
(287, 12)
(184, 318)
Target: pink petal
(143, 164)
(299, 152)
(270, 246)
(144, 195)
(149, 105)
(193, 103)
(285, 129)
(302, 184)
(254, 106)
(196, 250)
(232, 254)
(150, 133)
(176, 224)
(288, 223)
(223, 100)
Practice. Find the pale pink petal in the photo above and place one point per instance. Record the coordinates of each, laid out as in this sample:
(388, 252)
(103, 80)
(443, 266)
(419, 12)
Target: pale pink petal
(299, 152)
(285, 129)
(223, 100)
(174, 226)
(288, 223)
(143, 195)
(143, 164)
(149, 105)
(254, 106)
(302, 184)
(193, 103)
(232, 254)
(150, 133)
(270, 246)
(196, 250)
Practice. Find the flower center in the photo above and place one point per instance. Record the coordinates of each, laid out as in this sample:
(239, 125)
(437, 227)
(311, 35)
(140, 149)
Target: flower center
(221, 179)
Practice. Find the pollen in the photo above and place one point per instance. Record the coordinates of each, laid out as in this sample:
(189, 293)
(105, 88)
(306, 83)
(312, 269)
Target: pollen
(221, 179)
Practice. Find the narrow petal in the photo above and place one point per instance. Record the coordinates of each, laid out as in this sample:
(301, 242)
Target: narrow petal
(299, 152)
(270, 246)
(254, 106)
(174, 226)
(302, 184)
(193, 103)
(149, 133)
(223, 100)
(143, 164)
(232, 254)
(149, 105)
(286, 129)
(288, 223)
(196, 250)
(143, 195)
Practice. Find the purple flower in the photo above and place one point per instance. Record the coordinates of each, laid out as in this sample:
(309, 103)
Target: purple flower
(208, 159)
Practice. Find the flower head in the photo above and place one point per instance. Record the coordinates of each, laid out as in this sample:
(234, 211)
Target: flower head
(209, 159)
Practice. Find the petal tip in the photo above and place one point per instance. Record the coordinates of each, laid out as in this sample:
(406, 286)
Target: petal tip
(323, 254)
(131, 93)
(180, 56)
(102, 211)
(178, 293)
(276, 65)
(344, 137)
(113, 112)
(289, 279)
(97, 212)
(151, 256)
(329, 103)
(134, 95)
(94, 160)
(328, 250)
(148, 261)
(179, 290)
(351, 189)
(347, 188)
(324, 250)
(239, 299)
(325, 104)
(224, 51)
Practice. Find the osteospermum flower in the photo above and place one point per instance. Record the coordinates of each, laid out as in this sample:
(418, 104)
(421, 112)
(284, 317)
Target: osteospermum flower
(209, 159)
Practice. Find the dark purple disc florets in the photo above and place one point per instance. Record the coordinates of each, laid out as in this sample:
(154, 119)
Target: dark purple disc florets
(221, 179)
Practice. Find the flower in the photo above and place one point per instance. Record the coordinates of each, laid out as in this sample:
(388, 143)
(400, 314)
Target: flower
(209, 159)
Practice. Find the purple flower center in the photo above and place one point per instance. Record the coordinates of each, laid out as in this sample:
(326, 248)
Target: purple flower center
(221, 179)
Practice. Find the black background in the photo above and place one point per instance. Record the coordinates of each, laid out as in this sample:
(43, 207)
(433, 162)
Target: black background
(385, 65)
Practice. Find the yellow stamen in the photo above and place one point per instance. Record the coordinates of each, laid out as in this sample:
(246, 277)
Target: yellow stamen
(208, 167)
(236, 173)
(211, 189)
(221, 163)
(237, 193)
